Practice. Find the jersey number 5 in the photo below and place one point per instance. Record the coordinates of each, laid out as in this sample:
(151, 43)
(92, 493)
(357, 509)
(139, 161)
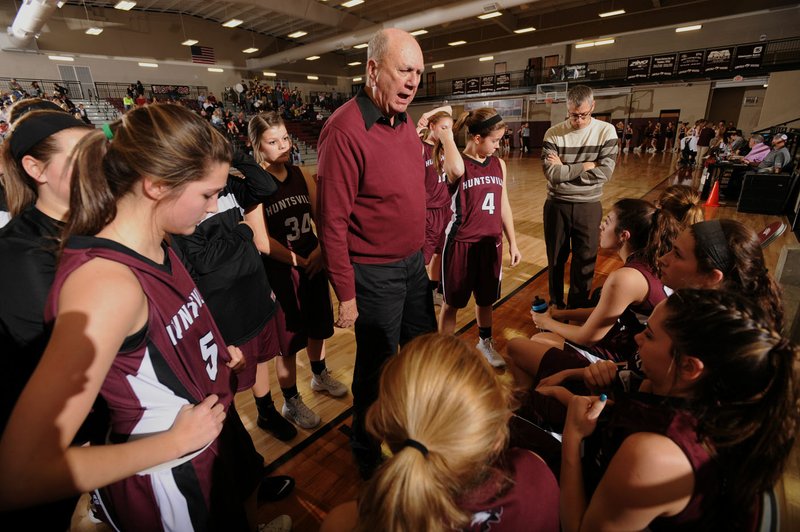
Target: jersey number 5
(297, 228)
(209, 352)
(488, 203)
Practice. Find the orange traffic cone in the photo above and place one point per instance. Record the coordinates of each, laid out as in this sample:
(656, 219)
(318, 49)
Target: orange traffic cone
(713, 198)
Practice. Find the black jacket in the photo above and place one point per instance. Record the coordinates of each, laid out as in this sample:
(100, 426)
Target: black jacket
(225, 263)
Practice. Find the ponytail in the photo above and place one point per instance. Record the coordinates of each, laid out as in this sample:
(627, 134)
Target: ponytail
(748, 275)
(92, 204)
(426, 392)
(747, 400)
(167, 143)
(480, 121)
(653, 229)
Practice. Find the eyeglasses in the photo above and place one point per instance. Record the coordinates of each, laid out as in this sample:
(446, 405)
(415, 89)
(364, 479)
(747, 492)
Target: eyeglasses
(580, 116)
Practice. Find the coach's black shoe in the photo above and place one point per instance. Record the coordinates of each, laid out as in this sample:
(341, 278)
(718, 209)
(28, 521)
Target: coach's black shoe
(275, 488)
(277, 425)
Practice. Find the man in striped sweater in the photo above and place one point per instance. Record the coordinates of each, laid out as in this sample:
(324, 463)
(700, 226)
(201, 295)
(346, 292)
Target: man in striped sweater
(579, 156)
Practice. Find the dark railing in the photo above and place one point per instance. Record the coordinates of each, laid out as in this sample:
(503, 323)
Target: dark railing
(48, 86)
(782, 54)
(113, 89)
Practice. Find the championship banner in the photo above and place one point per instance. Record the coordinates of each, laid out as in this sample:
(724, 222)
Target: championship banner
(502, 82)
(473, 85)
(662, 66)
(690, 62)
(748, 56)
(487, 83)
(718, 59)
(638, 68)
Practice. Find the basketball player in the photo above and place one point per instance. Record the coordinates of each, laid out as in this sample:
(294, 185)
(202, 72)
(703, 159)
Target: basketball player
(472, 259)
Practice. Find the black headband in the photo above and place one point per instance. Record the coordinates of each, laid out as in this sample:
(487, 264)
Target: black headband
(416, 445)
(35, 128)
(475, 129)
(711, 239)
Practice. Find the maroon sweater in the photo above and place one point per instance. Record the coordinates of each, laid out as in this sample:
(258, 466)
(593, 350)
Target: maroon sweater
(371, 193)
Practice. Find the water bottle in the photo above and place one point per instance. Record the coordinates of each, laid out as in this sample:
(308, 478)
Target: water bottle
(539, 306)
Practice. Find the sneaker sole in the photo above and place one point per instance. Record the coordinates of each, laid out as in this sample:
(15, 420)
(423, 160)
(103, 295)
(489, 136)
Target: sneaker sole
(288, 415)
(321, 388)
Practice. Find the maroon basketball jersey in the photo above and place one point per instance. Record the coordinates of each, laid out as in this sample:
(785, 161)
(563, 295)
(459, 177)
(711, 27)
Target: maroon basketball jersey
(527, 500)
(179, 359)
(477, 201)
(437, 194)
(288, 213)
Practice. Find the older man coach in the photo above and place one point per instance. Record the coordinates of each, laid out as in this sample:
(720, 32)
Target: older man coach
(372, 220)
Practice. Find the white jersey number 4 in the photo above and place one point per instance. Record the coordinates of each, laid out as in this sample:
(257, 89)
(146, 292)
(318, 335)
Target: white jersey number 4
(488, 203)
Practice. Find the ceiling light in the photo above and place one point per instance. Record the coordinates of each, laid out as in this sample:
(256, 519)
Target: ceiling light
(604, 42)
(419, 32)
(148, 65)
(357, 79)
(352, 3)
(250, 50)
(60, 4)
(438, 65)
(584, 45)
(232, 23)
(688, 28)
(612, 13)
(360, 46)
(312, 78)
(486, 58)
(125, 5)
(354, 63)
(765, 85)
(297, 34)
(270, 74)
(94, 31)
(525, 30)
(457, 43)
(490, 15)
(312, 58)
(190, 42)
(214, 69)
(60, 58)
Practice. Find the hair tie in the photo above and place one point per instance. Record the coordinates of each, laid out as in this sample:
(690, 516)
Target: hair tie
(711, 238)
(476, 128)
(107, 131)
(416, 445)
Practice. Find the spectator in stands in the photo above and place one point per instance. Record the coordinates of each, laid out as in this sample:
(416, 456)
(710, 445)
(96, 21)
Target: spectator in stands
(736, 141)
(15, 88)
(83, 115)
(127, 102)
(758, 150)
(779, 158)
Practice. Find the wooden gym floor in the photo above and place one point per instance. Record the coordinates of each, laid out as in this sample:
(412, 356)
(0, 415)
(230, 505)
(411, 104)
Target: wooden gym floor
(320, 461)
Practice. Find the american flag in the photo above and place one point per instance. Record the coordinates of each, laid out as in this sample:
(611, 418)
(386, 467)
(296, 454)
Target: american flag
(203, 54)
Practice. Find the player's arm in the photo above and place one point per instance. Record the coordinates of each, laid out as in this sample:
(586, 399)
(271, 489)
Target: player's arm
(508, 221)
(267, 245)
(36, 458)
(453, 162)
